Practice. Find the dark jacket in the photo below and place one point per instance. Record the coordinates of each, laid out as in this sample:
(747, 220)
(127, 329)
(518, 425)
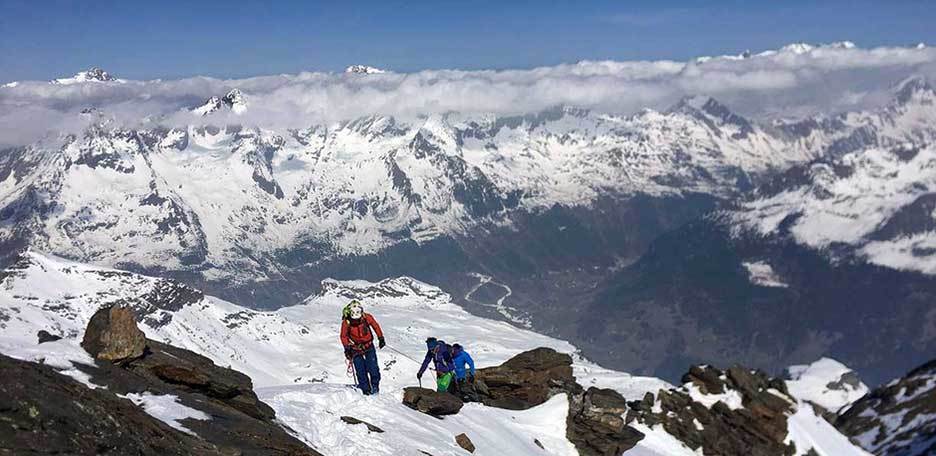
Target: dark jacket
(441, 355)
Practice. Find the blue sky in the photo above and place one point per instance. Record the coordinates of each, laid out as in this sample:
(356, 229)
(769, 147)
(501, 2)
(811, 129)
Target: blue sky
(172, 39)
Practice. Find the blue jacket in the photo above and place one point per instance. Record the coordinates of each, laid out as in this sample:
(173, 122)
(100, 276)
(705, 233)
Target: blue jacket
(440, 354)
(460, 357)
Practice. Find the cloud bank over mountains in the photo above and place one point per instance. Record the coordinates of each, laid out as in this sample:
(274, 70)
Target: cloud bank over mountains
(796, 80)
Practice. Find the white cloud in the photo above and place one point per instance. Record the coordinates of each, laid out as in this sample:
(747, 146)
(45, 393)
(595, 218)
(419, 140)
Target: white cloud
(795, 80)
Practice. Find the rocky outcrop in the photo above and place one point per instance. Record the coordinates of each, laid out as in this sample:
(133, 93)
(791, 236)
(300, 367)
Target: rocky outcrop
(239, 422)
(463, 441)
(744, 412)
(898, 418)
(45, 412)
(431, 402)
(596, 423)
(193, 373)
(113, 335)
(526, 380)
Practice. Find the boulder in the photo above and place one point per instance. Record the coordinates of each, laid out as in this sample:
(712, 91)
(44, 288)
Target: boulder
(113, 335)
(44, 336)
(353, 421)
(463, 441)
(526, 380)
(431, 402)
(596, 423)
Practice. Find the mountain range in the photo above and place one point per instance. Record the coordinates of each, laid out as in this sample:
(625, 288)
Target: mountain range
(627, 234)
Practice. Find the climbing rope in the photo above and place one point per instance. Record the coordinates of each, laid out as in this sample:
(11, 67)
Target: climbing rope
(404, 355)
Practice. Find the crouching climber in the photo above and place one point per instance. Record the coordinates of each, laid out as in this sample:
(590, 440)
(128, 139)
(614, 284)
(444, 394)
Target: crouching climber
(358, 342)
(464, 378)
(441, 356)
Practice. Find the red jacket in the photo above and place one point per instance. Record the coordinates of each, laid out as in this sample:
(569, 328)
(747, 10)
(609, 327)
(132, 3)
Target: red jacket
(357, 334)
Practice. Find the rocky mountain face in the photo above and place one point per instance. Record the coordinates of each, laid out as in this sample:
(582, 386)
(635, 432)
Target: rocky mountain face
(553, 220)
(141, 396)
(897, 418)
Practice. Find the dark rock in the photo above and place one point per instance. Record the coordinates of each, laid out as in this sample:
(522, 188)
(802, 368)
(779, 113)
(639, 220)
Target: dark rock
(196, 374)
(112, 335)
(45, 412)
(596, 423)
(431, 402)
(370, 427)
(706, 378)
(758, 428)
(539, 444)
(463, 441)
(526, 380)
(44, 336)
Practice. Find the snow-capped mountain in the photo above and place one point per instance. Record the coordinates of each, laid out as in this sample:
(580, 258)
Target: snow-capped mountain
(871, 192)
(363, 69)
(93, 74)
(200, 194)
(233, 100)
(293, 357)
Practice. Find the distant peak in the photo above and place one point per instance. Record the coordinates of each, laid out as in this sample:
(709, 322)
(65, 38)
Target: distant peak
(712, 112)
(97, 74)
(363, 69)
(93, 74)
(234, 99)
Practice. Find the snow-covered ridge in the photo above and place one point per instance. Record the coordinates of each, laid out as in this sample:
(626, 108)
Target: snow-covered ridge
(294, 358)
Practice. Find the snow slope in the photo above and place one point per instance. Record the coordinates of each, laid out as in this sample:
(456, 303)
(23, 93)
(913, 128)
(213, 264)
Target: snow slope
(295, 361)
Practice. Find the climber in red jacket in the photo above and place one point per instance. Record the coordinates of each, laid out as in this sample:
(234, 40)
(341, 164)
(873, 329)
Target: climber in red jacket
(358, 342)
